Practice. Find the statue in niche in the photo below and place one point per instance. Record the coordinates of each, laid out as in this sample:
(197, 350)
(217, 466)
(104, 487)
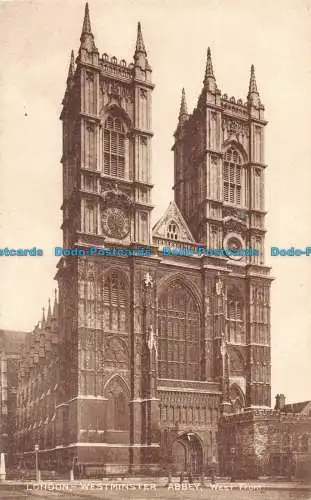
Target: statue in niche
(148, 281)
(152, 341)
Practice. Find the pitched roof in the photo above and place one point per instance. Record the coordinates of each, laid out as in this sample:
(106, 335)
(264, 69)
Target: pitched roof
(173, 214)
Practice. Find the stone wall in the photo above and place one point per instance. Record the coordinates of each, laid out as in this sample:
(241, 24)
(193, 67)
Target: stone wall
(265, 442)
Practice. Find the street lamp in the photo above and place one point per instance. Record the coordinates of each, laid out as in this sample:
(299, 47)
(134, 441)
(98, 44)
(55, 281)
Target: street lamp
(37, 463)
(233, 454)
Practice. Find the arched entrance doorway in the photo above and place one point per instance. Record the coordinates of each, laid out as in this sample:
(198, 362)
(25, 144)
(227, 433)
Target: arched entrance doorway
(187, 454)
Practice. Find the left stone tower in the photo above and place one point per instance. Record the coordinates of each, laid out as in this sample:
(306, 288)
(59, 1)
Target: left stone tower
(107, 186)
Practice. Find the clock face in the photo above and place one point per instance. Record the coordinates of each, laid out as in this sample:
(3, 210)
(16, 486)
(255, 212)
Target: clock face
(232, 244)
(115, 223)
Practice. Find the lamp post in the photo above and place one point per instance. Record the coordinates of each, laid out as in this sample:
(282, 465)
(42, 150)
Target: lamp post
(37, 463)
(233, 454)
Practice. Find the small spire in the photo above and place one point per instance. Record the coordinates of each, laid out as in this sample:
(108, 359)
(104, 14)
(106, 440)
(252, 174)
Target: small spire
(86, 28)
(55, 307)
(140, 46)
(49, 310)
(183, 112)
(71, 70)
(252, 82)
(209, 72)
(87, 38)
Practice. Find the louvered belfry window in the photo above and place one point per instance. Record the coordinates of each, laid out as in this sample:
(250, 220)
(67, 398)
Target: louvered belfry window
(116, 300)
(235, 315)
(232, 177)
(114, 147)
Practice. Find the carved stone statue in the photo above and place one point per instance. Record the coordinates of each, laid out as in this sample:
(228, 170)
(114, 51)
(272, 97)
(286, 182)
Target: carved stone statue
(148, 281)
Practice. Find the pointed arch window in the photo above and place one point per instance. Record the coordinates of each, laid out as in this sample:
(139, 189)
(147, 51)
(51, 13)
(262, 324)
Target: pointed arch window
(114, 147)
(179, 334)
(233, 177)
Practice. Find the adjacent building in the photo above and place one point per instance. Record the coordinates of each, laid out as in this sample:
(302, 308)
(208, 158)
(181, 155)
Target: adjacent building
(268, 442)
(11, 343)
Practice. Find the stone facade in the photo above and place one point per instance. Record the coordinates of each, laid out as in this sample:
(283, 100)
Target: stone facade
(143, 354)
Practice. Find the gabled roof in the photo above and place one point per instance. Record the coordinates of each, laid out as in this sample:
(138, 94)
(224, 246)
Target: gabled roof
(173, 213)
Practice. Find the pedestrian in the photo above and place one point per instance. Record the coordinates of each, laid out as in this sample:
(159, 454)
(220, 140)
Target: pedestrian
(181, 480)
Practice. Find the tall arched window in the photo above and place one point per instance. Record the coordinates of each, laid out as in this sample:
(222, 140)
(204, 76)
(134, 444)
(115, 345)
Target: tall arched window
(235, 318)
(116, 302)
(179, 334)
(114, 147)
(232, 176)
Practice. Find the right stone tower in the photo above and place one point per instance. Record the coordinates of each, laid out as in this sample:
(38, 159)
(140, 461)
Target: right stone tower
(219, 186)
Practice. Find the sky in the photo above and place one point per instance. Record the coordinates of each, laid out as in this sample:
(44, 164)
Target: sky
(36, 38)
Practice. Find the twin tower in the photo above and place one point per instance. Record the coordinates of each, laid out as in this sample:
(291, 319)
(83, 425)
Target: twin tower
(153, 350)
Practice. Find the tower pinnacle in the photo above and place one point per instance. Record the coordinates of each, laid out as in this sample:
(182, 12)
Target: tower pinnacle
(252, 82)
(209, 77)
(183, 112)
(209, 72)
(140, 46)
(87, 37)
(253, 94)
(49, 310)
(55, 307)
(71, 69)
(86, 28)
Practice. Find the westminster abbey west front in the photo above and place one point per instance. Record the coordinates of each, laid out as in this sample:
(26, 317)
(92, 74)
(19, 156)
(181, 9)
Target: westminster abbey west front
(143, 355)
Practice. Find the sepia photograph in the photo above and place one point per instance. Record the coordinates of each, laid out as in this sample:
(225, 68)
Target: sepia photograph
(155, 249)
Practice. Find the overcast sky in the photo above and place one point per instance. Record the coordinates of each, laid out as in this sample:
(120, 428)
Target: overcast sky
(36, 39)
